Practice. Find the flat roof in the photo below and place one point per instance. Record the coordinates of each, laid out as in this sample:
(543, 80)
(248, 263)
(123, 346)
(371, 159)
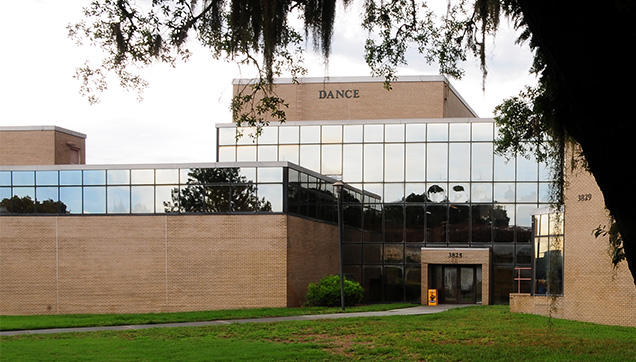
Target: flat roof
(41, 128)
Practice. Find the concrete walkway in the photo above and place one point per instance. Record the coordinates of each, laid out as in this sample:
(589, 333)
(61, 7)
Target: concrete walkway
(401, 311)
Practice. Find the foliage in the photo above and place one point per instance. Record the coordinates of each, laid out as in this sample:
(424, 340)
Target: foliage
(327, 292)
(616, 249)
(216, 190)
(26, 205)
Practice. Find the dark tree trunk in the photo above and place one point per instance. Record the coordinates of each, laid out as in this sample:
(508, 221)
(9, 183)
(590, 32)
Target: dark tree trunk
(589, 50)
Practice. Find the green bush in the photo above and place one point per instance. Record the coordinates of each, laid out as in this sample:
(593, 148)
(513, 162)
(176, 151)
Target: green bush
(327, 292)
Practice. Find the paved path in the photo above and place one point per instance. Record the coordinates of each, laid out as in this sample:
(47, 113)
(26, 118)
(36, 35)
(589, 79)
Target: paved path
(401, 311)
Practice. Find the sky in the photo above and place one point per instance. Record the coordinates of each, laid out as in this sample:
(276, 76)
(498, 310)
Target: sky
(175, 121)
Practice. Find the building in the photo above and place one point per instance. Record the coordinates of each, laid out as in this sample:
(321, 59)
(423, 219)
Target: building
(428, 205)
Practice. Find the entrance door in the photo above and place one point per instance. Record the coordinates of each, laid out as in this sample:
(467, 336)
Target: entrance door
(461, 284)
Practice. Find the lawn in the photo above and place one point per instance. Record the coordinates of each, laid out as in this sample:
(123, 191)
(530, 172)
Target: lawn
(480, 333)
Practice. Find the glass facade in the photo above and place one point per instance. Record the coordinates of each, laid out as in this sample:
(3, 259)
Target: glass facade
(548, 254)
(159, 190)
(441, 186)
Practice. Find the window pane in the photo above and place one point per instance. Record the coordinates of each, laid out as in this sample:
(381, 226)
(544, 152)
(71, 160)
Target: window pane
(482, 162)
(95, 200)
(352, 163)
(481, 192)
(166, 199)
(227, 136)
(459, 193)
(527, 169)
(436, 216)
(288, 153)
(23, 200)
(459, 223)
(353, 133)
(436, 161)
(46, 201)
(331, 160)
(273, 197)
(527, 192)
(373, 166)
(460, 131)
(227, 154)
(436, 192)
(459, 162)
(373, 133)
(23, 178)
(503, 216)
(331, 134)
(415, 192)
(143, 199)
(268, 136)
(246, 153)
(415, 132)
(310, 134)
(393, 192)
(71, 177)
(415, 161)
(504, 192)
(310, 157)
(483, 131)
(394, 133)
(48, 178)
(288, 134)
(270, 174)
(118, 199)
(5, 178)
(437, 132)
(246, 135)
(267, 153)
(504, 169)
(142, 177)
(118, 177)
(167, 176)
(71, 198)
(415, 217)
(394, 162)
(216, 198)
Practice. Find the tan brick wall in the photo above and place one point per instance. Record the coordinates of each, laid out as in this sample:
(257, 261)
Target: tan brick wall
(312, 253)
(406, 100)
(44, 146)
(469, 256)
(132, 264)
(593, 291)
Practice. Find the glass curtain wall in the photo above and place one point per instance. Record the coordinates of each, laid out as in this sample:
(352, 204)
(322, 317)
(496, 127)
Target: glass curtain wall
(441, 185)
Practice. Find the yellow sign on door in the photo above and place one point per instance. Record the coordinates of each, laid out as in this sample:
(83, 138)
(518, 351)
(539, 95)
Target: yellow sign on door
(432, 297)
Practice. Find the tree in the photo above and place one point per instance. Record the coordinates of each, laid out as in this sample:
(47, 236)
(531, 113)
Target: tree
(571, 41)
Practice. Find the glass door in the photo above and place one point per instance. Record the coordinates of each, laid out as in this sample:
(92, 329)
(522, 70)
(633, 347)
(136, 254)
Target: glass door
(461, 284)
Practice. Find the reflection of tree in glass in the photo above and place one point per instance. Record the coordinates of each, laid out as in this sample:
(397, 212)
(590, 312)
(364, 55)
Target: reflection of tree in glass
(216, 190)
(26, 205)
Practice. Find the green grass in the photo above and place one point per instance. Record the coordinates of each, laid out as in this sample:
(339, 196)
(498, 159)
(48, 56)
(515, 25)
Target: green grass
(10, 323)
(480, 333)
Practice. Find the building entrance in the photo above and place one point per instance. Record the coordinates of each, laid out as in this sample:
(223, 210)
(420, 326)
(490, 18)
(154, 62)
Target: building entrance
(458, 283)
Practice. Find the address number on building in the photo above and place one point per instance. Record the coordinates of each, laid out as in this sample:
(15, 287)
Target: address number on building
(454, 255)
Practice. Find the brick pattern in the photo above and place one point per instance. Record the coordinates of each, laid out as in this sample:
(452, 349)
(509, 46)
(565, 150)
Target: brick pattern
(157, 263)
(470, 256)
(593, 291)
(39, 147)
(406, 100)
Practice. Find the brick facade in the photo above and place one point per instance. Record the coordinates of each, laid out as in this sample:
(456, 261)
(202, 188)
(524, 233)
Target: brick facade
(321, 99)
(156, 263)
(593, 291)
(45, 145)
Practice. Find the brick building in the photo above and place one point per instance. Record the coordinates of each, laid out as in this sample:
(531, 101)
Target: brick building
(428, 205)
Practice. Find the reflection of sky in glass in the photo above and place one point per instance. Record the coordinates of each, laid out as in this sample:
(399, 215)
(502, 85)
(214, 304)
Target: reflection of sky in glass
(143, 199)
(459, 132)
(140, 177)
(270, 174)
(24, 178)
(24, 192)
(353, 133)
(482, 162)
(5, 178)
(373, 132)
(394, 162)
(46, 193)
(437, 132)
(94, 177)
(71, 177)
(95, 200)
(415, 132)
(274, 194)
(118, 199)
(46, 178)
(72, 198)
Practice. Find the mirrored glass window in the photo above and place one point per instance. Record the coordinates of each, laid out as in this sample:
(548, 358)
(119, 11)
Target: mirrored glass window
(415, 132)
(273, 195)
(437, 132)
(394, 133)
(270, 174)
(227, 136)
(310, 134)
(118, 177)
(142, 177)
(437, 161)
(118, 199)
(545, 192)
(267, 153)
(415, 192)
(167, 176)
(394, 162)
(46, 201)
(246, 135)
(246, 153)
(503, 216)
(436, 192)
(459, 132)
(352, 163)
(167, 199)
(459, 223)
(143, 199)
(482, 162)
(415, 161)
(393, 192)
(46, 178)
(268, 136)
(331, 160)
(310, 157)
(95, 200)
(23, 178)
(373, 133)
(331, 134)
(481, 192)
(504, 169)
(436, 220)
(94, 177)
(459, 162)
(353, 133)
(227, 154)
(71, 177)
(288, 153)
(483, 131)
(459, 192)
(527, 192)
(527, 169)
(288, 134)
(504, 192)
(5, 178)
(71, 198)
(373, 162)
(247, 175)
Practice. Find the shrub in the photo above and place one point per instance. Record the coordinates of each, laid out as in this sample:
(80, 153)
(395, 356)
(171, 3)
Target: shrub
(327, 292)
